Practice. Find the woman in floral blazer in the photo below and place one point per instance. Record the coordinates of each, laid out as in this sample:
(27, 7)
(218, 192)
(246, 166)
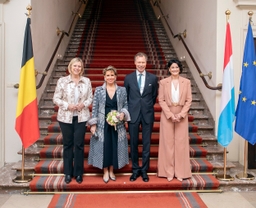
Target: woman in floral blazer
(73, 96)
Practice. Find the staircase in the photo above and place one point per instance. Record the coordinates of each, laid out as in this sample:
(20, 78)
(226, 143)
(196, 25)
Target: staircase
(111, 32)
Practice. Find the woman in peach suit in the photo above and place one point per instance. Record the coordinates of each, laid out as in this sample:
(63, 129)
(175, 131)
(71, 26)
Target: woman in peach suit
(175, 99)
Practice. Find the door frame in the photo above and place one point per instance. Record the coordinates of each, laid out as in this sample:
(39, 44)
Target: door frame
(2, 94)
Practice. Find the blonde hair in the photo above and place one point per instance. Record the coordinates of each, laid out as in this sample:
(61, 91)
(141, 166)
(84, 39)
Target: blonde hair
(109, 68)
(73, 61)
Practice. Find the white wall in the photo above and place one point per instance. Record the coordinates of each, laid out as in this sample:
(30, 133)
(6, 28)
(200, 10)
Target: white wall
(47, 15)
(205, 22)
(14, 21)
(198, 17)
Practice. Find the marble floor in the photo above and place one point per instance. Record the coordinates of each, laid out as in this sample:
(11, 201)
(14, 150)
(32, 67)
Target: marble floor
(212, 200)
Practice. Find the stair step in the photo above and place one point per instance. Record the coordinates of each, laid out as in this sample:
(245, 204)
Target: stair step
(54, 127)
(53, 117)
(31, 166)
(94, 183)
(56, 139)
(57, 151)
(56, 167)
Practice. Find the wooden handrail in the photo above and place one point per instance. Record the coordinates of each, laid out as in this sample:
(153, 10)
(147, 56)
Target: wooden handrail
(219, 87)
(63, 33)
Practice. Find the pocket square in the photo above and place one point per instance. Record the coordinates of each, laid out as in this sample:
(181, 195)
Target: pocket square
(149, 85)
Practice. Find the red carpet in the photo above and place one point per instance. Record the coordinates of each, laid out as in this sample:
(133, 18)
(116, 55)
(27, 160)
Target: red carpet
(128, 200)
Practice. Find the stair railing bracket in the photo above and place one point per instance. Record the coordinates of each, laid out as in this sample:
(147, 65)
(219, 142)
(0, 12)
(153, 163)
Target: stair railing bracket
(58, 31)
(43, 73)
(208, 75)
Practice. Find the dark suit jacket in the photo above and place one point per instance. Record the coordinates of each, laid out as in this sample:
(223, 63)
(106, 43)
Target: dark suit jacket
(144, 103)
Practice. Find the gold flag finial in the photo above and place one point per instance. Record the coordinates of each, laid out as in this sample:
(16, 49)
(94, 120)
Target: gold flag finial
(250, 13)
(29, 8)
(227, 12)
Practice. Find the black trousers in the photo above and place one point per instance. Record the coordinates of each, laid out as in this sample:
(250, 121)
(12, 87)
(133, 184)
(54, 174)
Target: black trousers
(73, 147)
(134, 142)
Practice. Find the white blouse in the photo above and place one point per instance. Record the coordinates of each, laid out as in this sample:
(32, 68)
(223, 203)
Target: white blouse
(76, 99)
(175, 93)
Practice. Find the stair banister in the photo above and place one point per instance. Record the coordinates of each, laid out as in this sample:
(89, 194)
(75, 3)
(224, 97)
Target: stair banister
(179, 35)
(63, 33)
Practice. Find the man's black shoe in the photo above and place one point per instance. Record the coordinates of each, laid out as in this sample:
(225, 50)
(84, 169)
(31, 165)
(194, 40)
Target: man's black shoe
(68, 179)
(134, 176)
(79, 179)
(145, 177)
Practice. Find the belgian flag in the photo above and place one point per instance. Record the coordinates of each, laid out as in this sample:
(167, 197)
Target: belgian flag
(27, 113)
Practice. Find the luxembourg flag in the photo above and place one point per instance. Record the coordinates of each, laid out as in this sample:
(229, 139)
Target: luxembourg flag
(227, 108)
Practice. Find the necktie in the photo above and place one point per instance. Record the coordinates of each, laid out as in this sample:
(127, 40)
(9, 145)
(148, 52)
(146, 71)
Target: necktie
(139, 80)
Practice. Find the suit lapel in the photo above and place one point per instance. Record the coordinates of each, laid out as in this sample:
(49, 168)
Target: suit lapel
(181, 84)
(147, 82)
(169, 88)
(118, 97)
(135, 81)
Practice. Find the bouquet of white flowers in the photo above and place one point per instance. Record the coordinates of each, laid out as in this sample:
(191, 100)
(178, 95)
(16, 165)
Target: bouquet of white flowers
(113, 118)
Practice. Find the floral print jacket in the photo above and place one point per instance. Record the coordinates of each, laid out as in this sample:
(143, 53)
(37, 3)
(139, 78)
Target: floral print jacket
(65, 94)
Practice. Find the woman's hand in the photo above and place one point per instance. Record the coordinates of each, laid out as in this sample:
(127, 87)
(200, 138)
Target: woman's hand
(178, 117)
(93, 129)
(72, 107)
(79, 106)
(173, 118)
(121, 116)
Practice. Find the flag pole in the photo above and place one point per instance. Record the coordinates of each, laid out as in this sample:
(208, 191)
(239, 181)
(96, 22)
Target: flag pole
(224, 176)
(244, 175)
(22, 178)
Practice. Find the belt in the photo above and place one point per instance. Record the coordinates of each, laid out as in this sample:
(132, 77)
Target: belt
(175, 104)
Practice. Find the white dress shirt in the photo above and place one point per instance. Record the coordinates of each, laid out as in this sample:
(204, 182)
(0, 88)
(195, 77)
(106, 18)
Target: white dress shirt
(143, 77)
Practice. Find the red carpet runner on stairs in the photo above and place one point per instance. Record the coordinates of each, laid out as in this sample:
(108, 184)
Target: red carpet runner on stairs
(120, 31)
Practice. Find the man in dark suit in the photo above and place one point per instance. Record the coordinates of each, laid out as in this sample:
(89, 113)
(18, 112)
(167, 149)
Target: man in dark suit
(142, 90)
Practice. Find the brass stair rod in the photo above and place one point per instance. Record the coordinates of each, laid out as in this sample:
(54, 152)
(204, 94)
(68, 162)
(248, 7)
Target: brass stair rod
(118, 174)
(122, 192)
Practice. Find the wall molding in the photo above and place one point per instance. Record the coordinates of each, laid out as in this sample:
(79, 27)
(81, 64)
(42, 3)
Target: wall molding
(245, 3)
(2, 82)
(3, 1)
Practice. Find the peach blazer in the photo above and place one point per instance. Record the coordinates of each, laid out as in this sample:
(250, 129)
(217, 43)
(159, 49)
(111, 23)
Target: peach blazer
(165, 95)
